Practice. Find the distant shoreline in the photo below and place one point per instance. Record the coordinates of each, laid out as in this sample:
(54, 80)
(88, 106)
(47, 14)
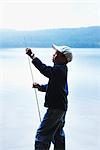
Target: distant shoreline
(83, 37)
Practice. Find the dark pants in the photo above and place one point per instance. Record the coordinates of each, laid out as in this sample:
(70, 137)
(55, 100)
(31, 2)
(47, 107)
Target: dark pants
(51, 130)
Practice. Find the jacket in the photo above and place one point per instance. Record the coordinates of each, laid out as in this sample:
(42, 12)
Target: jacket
(57, 88)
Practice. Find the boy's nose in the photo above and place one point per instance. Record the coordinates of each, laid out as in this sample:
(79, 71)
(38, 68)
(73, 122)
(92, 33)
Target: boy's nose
(54, 54)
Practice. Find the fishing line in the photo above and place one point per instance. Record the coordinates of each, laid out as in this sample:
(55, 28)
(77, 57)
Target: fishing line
(33, 82)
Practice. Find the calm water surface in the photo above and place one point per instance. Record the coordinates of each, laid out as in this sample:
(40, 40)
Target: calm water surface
(18, 110)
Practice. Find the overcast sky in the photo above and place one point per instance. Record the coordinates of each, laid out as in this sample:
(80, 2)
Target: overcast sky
(31, 14)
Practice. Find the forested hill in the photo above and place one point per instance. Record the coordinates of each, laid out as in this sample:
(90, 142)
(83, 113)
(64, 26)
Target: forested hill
(85, 37)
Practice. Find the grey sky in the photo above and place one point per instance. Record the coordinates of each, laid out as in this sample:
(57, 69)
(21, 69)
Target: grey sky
(31, 14)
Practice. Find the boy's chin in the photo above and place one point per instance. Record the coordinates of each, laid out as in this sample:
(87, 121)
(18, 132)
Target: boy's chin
(53, 60)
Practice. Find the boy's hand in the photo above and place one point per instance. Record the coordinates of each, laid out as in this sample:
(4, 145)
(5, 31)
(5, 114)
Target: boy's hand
(36, 85)
(29, 52)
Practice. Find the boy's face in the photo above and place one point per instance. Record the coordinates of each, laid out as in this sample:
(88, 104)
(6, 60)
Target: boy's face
(58, 58)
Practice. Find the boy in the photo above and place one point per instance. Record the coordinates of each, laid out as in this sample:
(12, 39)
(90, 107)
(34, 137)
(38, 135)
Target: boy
(51, 128)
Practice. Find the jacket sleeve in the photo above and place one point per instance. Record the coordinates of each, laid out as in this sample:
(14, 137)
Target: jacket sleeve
(45, 70)
(43, 88)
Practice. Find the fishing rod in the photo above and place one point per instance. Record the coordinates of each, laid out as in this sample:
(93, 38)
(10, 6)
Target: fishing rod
(36, 97)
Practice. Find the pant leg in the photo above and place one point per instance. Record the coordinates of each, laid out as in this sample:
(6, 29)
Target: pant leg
(59, 140)
(41, 146)
(47, 129)
(59, 137)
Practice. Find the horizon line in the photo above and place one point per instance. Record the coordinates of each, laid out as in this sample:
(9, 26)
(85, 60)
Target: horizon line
(49, 28)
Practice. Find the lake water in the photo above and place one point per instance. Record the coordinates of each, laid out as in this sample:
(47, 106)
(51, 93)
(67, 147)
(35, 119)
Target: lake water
(18, 110)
